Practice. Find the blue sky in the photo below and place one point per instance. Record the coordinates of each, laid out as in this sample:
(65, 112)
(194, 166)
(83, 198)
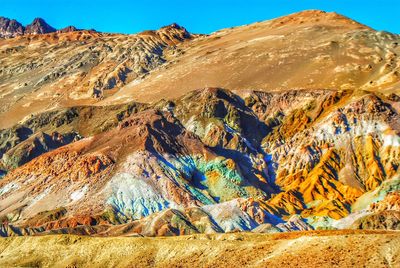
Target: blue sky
(197, 16)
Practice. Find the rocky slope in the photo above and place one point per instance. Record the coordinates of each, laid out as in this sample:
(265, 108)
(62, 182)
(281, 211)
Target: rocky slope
(210, 162)
(312, 49)
(79, 156)
(78, 67)
(306, 50)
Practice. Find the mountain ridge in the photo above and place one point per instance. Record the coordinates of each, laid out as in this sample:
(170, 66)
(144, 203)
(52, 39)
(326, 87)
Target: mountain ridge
(10, 28)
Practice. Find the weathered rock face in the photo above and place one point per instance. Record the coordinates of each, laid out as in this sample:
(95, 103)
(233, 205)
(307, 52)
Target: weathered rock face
(39, 26)
(313, 49)
(85, 67)
(34, 146)
(378, 209)
(306, 50)
(10, 28)
(68, 29)
(211, 160)
(47, 131)
(270, 162)
(334, 152)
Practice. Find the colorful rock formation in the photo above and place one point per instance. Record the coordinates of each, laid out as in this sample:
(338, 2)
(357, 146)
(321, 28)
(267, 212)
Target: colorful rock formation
(84, 158)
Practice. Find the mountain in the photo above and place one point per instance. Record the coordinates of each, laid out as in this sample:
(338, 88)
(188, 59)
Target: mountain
(10, 28)
(39, 26)
(68, 29)
(313, 50)
(289, 124)
(209, 161)
(307, 50)
(85, 67)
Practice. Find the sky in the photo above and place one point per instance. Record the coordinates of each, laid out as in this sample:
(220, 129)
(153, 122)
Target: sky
(124, 16)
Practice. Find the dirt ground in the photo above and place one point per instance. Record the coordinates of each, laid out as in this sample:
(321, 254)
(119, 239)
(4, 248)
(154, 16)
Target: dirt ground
(297, 249)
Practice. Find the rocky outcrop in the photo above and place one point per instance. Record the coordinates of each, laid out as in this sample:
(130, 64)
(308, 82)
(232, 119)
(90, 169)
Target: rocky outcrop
(47, 131)
(10, 28)
(39, 26)
(96, 67)
(34, 146)
(382, 214)
(208, 162)
(385, 220)
(68, 29)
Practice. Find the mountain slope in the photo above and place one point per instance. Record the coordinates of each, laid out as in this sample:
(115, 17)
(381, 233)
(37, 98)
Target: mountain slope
(78, 67)
(306, 50)
(270, 152)
(199, 151)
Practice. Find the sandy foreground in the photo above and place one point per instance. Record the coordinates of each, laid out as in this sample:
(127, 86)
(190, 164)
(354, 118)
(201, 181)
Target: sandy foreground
(297, 249)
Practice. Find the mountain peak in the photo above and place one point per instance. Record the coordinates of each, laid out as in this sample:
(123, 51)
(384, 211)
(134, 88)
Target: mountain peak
(174, 26)
(39, 26)
(68, 29)
(174, 31)
(171, 34)
(318, 17)
(10, 27)
(38, 20)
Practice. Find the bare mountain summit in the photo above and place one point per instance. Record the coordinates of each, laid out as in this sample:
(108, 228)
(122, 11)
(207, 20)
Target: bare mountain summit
(39, 26)
(10, 28)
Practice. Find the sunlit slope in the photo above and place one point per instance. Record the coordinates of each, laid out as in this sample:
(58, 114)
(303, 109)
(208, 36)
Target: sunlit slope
(309, 50)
